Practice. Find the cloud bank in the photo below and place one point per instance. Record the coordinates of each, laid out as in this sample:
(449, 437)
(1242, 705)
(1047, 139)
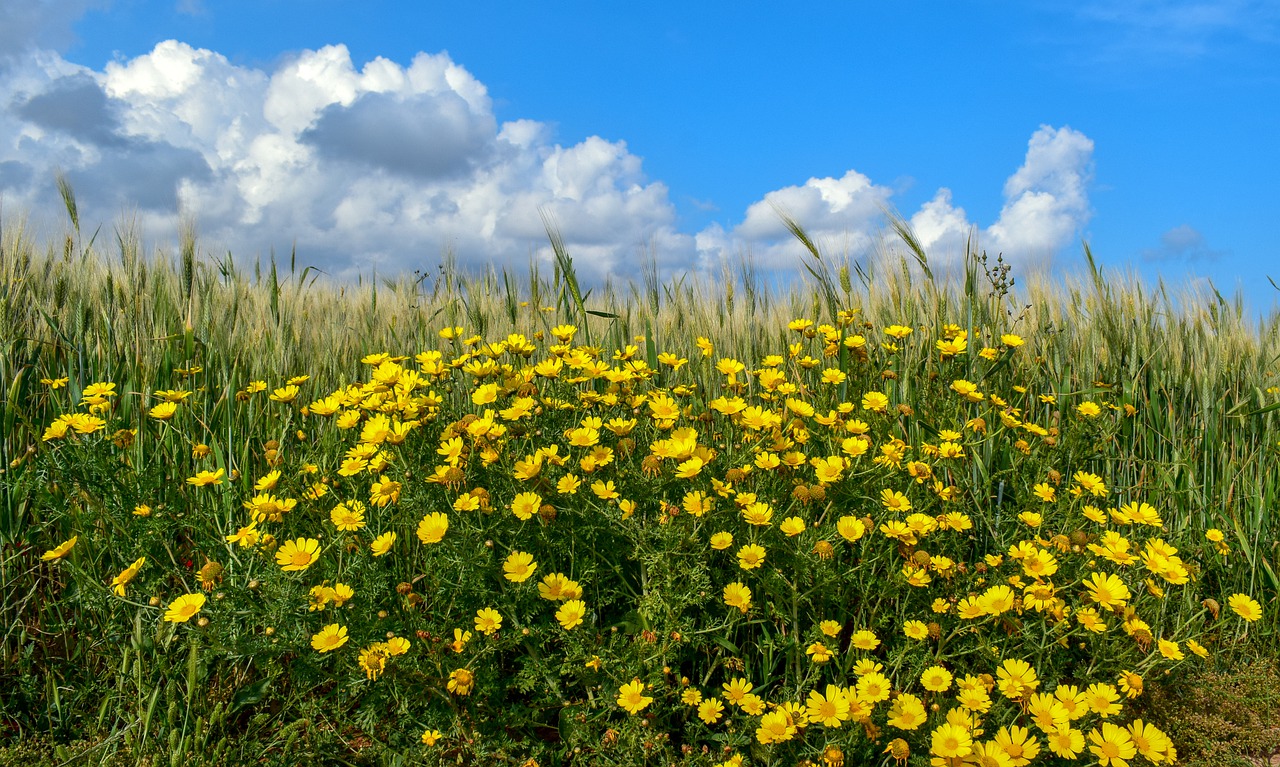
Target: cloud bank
(386, 166)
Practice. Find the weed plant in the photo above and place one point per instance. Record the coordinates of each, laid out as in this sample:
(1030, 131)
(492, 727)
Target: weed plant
(883, 515)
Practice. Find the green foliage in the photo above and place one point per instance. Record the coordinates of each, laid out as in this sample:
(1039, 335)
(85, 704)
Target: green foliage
(1222, 718)
(1185, 423)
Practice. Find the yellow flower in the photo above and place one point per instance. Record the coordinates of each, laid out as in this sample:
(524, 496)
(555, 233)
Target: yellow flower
(819, 652)
(1107, 590)
(738, 595)
(488, 621)
(690, 468)
(285, 394)
(268, 481)
(875, 401)
(604, 490)
(632, 698)
(432, 527)
(184, 608)
(758, 514)
(329, 638)
(792, 526)
(1045, 492)
(894, 501)
(128, 574)
(936, 679)
(1016, 678)
(1089, 409)
(721, 541)
(1112, 745)
(1102, 699)
(829, 710)
(1066, 742)
(373, 660)
(298, 554)
(56, 430)
(341, 594)
(383, 492)
(204, 478)
(558, 586)
(750, 556)
(164, 411)
(96, 392)
(382, 544)
(519, 566)
(348, 517)
(246, 536)
(571, 613)
(907, 712)
(775, 727)
(915, 629)
(60, 551)
(1130, 683)
(1170, 650)
(951, 742)
(736, 690)
(525, 505)
(564, 333)
(864, 640)
(461, 681)
(429, 737)
(1242, 604)
(460, 639)
(710, 710)
(850, 528)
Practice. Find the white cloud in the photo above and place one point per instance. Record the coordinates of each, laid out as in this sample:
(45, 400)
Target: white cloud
(385, 166)
(842, 214)
(1046, 200)
(1046, 204)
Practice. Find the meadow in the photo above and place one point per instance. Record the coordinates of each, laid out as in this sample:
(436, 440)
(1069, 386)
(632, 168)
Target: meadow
(874, 516)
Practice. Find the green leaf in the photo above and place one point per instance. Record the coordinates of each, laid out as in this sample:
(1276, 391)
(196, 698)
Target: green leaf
(250, 694)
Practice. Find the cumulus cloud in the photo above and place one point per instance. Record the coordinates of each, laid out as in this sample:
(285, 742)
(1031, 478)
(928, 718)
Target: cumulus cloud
(382, 166)
(1046, 200)
(386, 166)
(1045, 205)
(1182, 243)
(842, 214)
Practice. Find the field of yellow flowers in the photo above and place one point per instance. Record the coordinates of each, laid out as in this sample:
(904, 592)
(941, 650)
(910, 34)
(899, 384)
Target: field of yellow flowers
(863, 542)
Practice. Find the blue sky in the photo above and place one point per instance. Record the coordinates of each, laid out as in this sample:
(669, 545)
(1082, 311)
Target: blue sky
(379, 134)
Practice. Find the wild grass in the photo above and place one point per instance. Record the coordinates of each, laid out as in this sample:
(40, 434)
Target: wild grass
(1192, 358)
(1202, 373)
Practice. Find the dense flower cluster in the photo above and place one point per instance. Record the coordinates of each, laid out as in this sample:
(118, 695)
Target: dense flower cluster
(824, 550)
